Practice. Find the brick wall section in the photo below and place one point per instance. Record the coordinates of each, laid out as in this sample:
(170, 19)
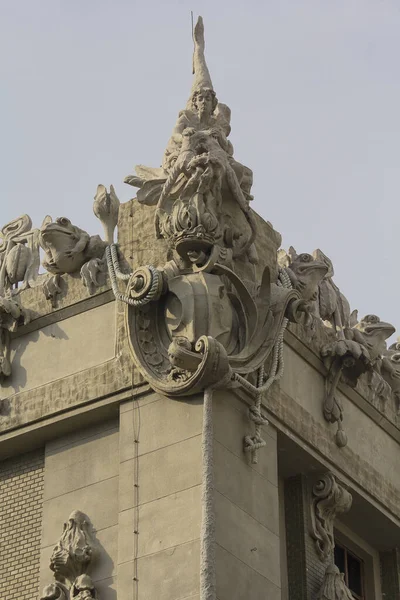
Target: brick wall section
(305, 570)
(21, 493)
(390, 574)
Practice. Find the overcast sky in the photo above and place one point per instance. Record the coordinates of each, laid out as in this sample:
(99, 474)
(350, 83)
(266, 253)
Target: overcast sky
(89, 88)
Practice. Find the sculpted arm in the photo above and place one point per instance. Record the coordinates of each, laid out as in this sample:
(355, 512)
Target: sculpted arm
(82, 241)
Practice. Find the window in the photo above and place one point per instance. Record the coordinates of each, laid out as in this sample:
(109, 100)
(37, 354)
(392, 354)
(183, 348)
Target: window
(353, 569)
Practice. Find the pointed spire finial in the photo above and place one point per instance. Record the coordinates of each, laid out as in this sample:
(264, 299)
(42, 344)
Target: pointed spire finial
(202, 78)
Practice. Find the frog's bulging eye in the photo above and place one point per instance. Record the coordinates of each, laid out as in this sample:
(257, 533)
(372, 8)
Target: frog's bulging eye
(63, 221)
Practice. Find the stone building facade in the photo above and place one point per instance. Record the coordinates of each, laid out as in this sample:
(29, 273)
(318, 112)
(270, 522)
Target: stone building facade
(191, 413)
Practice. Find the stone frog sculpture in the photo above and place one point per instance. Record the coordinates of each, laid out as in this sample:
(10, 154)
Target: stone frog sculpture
(372, 333)
(312, 276)
(391, 370)
(67, 247)
(305, 272)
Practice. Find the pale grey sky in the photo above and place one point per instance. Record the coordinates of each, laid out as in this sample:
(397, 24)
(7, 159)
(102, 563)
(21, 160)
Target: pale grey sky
(89, 88)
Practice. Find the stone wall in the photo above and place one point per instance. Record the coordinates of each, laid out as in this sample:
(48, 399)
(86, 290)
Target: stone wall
(21, 498)
(82, 473)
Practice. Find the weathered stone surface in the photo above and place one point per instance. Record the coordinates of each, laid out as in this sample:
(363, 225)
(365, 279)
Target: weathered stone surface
(237, 587)
(69, 346)
(162, 472)
(177, 574)
(87, 462)
(164, 523)
(247, 539)
(163, 423)
(247, 489)
(231, 423)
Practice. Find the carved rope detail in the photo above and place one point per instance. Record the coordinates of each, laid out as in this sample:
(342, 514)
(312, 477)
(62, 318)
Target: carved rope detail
(329, 499)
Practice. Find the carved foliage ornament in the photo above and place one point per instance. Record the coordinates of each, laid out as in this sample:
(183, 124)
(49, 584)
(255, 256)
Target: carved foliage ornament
(329, 499)
(70, 561)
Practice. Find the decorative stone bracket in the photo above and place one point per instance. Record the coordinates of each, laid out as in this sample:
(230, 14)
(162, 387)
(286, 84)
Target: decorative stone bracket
(329, 499)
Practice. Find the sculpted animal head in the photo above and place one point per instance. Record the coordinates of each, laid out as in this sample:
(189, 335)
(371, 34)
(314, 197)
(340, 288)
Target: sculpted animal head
(56, 231)
(305, 271)
(375, 333)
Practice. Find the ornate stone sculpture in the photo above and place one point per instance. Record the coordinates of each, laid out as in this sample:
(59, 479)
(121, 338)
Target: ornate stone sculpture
(193, 323)
(199, 333)
(358, 351)
(55, 591)
(200, 185)
(356, 347)
(70, 561)
(67, 249)
(19, 263)
(391, 370)
(106, 209)
(306, 274)
(334, 587)
(83, 588)
(19, 255)
(11, 315)
(312, 276)
(329, 499)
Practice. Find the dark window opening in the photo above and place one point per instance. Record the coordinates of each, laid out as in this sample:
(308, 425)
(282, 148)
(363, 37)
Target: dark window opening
(353, 569)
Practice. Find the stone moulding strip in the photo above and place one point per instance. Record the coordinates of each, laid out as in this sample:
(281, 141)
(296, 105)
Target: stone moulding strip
(36, 433)
(64, 313)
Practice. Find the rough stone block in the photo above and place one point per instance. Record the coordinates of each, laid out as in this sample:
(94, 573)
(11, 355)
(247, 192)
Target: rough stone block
(237, 581)
(86, 462)
(177, 577)
(231, 424)
(162, 524)
(160, 473)
(247, 539)
(159, 424)
(66, 347)
(249, 490)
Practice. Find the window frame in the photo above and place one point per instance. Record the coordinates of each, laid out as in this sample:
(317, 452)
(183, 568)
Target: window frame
(344, 536)
(348, 551)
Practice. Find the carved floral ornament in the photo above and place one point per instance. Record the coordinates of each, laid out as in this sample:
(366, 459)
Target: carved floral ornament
(70, 561)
